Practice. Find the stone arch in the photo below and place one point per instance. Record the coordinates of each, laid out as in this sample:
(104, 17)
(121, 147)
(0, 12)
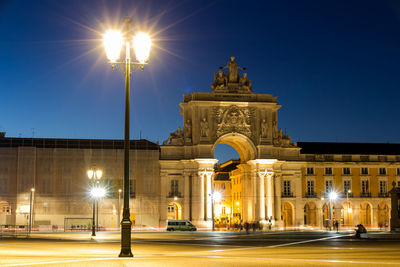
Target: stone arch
(383, 215)
(366, 214)
(325, 215)
(347, 213)
(287, 214)
(241, 143)
(174, 211)
(310, 214)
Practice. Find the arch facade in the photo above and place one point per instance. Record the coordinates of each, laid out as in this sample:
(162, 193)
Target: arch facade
(231, 114)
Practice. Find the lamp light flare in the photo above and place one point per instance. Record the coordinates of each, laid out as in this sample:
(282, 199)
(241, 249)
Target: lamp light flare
(332, 195)
(217, 196)
(98, 192)
(113, 42)
(142, 45)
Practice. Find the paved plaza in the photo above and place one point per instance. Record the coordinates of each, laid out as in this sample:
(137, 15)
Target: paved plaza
(203, 249)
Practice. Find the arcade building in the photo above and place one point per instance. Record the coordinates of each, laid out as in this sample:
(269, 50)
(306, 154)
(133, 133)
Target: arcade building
(276, 182)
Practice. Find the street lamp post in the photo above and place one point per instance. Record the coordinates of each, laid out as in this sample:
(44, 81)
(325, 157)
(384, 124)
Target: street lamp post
(31, 209)
(215, 196)
(113, 42)
(349, 210)
(332, 197)
(94, 176)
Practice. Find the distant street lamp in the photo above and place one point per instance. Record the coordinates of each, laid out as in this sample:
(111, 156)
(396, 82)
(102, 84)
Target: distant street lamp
(216, 196)
(31, 209)
(94, 176)
(119, 206)
(349, 210)
(113, 42)
(332, 196)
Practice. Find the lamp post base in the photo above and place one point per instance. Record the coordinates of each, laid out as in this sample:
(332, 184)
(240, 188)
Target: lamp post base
(126, 238)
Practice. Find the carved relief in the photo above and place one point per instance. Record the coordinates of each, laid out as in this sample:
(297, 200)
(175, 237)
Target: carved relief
(234, 119)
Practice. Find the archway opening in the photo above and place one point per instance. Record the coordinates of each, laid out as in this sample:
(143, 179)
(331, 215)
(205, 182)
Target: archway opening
(227, 187)
(383, 216)
(365, 214)
(310, 214)
(287, 214)
(347, 214)
(232, 150)
(174, 211)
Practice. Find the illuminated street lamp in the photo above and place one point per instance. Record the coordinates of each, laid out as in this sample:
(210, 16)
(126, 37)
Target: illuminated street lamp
(349, 210)
(216, 196)
(94, 176)
(332, 196)
(119, 205)
(113, 43)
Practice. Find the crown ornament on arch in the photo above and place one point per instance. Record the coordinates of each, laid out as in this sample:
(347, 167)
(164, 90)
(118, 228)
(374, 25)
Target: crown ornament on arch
(230, 81)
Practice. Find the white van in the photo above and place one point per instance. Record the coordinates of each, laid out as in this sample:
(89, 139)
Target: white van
(180, 225)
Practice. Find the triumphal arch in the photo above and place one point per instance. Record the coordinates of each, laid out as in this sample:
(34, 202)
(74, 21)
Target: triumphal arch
(230, 114)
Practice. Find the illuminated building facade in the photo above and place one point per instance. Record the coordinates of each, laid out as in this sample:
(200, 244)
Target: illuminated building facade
(275, 181)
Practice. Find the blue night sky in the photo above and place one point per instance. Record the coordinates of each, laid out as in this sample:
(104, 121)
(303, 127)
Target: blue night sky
(334, 65)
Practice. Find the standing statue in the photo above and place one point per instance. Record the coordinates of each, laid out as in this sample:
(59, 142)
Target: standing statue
(232, 72)
(264, 128)
(188, 129)
(204, 128)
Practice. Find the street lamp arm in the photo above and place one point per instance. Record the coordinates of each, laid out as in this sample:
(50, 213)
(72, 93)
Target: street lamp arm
(121, 66)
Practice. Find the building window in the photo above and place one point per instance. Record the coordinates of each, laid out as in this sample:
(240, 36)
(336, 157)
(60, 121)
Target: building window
(364, 186)
(286, 188)
(346, 171)
(382, 171)
(310, 188)
(328, 171)
(310, 171)
(328, 186)
(174, 187)
(364, 171)
(398, 171)
(346, 187)
(382, 188)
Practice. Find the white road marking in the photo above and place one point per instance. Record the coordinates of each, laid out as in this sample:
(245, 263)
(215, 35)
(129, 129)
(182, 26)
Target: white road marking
(60, 261)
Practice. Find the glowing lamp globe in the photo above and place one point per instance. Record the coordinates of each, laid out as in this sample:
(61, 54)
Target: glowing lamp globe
(332, 195)
(217, 196)
(99, 173)
(142, 45)
(90, 174)
(98, 192)
(113, 41)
